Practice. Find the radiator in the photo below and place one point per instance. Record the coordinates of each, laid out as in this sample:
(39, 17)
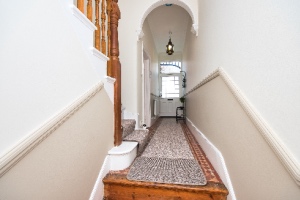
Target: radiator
(155, 107)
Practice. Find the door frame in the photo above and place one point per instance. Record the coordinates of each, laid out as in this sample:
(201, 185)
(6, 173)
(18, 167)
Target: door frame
(146, 92)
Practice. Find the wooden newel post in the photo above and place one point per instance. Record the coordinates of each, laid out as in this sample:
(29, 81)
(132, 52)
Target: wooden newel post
(116, 69)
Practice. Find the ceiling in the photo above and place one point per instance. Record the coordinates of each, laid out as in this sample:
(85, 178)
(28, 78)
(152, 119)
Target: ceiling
(164, 19)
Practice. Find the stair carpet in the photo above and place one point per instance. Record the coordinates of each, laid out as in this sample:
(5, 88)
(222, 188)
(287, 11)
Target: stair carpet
(118, 187)
(130, 134)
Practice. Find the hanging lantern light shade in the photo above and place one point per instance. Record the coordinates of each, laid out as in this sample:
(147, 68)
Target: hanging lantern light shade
(170, 46)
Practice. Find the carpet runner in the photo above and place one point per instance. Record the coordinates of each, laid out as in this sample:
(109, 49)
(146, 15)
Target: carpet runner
(167, 158)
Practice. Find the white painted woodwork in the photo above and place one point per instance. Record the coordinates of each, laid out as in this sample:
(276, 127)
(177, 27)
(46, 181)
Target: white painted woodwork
(121, 157)
(168, 106)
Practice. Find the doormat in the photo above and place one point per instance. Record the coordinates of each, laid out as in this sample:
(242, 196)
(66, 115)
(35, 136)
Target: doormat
(167, 170)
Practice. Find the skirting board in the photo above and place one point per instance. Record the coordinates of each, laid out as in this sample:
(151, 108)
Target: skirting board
(215, 157)
(118, 158)
(98, 191)
(12, 157)
(282, 152)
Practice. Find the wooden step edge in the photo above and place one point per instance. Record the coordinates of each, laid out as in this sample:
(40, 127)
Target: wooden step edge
(211, 188)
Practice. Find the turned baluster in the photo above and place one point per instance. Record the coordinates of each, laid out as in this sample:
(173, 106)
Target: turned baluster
(103, 18)
(90, 10)
(116, 70)
(108, 10)
(80, 5)
(97, 32)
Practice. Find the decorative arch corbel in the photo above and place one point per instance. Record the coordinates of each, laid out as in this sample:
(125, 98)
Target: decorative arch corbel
(182, 3)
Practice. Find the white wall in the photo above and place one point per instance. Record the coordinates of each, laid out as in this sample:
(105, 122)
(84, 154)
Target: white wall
(128, 54)
(129, 28)
(147, 44)
(176, 56)
(257, 42)
(149, 47)
(43, 67)
(255, 170)
(66, 164)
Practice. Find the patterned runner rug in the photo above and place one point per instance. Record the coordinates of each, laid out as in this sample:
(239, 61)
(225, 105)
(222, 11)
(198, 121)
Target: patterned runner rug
(167, 158)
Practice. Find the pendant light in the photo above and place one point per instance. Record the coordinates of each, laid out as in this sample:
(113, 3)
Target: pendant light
(170, 46)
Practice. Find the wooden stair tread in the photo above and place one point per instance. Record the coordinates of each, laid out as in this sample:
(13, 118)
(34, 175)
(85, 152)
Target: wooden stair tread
(128, 127)
(121, 188)
(119, 177)
(140, 136)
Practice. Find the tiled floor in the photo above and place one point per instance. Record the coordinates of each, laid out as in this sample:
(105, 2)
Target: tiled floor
(209, 171)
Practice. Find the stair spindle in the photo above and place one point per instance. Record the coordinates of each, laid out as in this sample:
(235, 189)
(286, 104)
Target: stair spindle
(90, 10)
(97, 32)
(80, 5)
(103, 18)
(108, 11)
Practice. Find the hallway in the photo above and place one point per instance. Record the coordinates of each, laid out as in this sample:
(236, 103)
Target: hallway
(167, 169)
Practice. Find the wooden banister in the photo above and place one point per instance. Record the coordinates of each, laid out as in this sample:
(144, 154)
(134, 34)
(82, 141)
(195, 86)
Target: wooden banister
(102, 37)
(108, 43)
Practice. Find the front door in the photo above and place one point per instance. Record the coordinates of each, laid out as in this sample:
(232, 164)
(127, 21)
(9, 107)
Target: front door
(170, 88)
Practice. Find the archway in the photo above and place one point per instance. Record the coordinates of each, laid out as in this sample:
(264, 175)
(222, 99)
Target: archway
(187, 6)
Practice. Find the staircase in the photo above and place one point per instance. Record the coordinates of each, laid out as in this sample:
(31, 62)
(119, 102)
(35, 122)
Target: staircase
(102, 18)
(118, 187)
(142, 137)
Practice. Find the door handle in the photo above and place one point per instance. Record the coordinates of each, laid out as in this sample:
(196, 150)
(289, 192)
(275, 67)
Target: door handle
(170, 99)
